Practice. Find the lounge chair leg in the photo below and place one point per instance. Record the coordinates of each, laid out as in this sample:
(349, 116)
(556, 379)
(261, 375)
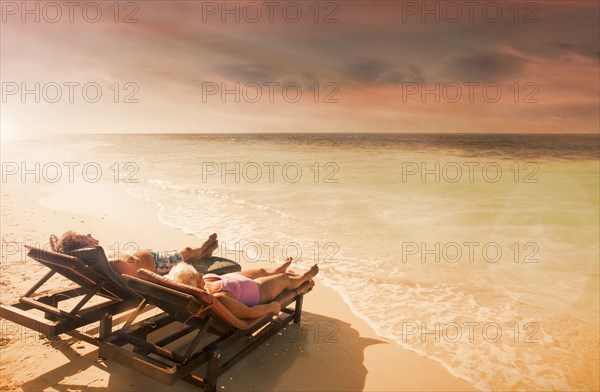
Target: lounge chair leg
(86, 298)
(49, 316)
(298, 309)
(39, 283)
(105, 326)
(212, 372)
(199, 337)
(134, 314)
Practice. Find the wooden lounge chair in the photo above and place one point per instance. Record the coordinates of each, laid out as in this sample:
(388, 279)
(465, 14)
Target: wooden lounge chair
(101, 294)
(89, 269)
(217, 332)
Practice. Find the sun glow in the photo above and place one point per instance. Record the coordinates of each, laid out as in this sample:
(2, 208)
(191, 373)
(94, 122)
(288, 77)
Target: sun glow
(7, 128)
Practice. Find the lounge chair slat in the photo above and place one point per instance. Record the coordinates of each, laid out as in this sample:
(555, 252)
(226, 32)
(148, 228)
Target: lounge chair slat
(144, 364)
(45, 307)
(179, 334)
(31, 321)
(163, 352)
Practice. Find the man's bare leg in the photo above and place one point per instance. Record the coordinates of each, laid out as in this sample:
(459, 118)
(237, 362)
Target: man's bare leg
(261, 272)
(206, 250)
(271, 286)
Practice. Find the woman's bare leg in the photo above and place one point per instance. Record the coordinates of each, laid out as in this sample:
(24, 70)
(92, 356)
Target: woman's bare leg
(261, 272)
(271, 286)
(206, 250)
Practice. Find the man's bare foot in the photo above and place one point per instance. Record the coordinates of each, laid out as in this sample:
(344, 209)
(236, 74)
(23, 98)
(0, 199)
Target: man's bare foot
(283, 267)
(209, 247)
(311, 272)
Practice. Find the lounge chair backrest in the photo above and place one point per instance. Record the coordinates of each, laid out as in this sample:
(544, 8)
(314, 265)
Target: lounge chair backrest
(95, 257)
(86, 273)
(200, 295)
(207, 299)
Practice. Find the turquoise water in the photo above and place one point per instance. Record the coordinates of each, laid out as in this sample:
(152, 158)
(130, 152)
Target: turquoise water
(478, 251)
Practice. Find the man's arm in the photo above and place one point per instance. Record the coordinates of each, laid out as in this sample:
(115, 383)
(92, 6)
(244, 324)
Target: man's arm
(240, 310)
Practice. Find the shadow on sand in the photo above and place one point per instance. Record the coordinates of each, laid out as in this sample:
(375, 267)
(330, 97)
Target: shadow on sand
(322, 353)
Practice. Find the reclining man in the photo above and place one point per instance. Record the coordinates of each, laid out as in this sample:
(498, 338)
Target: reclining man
(157, 261)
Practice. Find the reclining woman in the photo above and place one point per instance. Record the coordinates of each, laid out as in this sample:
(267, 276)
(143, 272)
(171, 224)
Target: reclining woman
(157, 261)
(247, 294)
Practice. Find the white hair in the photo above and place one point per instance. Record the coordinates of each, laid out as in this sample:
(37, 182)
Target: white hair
(184, 273)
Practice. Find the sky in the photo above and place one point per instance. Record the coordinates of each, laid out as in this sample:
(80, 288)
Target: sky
(299, 66)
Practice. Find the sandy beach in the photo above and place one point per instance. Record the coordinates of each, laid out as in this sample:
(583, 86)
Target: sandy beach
(333, 349)
(438, 160)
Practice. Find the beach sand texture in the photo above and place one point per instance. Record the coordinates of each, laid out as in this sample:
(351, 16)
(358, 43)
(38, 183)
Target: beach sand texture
(333, 350)
(370, 323)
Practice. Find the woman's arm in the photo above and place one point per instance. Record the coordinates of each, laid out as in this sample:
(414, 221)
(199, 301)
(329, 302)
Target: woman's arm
(240, 310)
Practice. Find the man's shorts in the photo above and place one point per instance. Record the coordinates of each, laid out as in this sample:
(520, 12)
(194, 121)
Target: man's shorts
(164, 261)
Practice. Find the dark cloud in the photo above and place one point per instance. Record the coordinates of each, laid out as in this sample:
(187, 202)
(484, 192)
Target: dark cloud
(394, 77)
(378, 71)
(488, 66)
(415, 74)
(560, 49)
(245, 73)
(367, 70)
(587, 50)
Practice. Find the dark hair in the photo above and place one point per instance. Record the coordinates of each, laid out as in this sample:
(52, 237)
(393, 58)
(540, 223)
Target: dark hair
(70, 241)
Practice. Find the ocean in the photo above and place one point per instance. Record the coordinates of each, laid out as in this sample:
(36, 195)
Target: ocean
(480, 252)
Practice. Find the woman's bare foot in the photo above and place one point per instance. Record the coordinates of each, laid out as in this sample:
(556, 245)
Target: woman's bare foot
(282, 269)
(311, 272)
(206, 250)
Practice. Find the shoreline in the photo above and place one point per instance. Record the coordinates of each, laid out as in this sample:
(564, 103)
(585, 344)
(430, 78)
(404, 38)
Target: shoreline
(330, 288)
(334, 346)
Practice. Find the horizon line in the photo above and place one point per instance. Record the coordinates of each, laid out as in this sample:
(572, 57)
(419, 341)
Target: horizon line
(319, 133)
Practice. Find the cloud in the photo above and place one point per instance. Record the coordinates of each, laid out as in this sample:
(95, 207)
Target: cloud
(368, 54)
(416, 74)
(590, 49)
(367, 70)
(382, 72)
(486, 66)
(245, 73)
(560, 49)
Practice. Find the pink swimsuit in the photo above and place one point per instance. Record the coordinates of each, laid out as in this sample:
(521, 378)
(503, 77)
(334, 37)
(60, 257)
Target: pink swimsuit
(243, 289)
